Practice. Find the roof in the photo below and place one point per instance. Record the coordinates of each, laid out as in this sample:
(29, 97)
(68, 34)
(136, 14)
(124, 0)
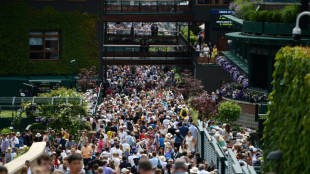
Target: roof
(234, 19)
(237, 61)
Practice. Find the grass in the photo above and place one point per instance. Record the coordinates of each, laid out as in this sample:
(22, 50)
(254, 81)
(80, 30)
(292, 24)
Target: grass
(8, 114)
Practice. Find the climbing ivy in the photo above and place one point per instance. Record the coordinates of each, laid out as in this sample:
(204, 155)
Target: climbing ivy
(77, 39)
(287, 127)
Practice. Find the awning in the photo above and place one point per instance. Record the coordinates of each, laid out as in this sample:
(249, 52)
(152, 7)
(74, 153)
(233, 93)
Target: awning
(237, 61)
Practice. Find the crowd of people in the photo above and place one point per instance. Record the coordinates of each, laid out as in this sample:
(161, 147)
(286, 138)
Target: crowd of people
(142, 126)
(229, 137)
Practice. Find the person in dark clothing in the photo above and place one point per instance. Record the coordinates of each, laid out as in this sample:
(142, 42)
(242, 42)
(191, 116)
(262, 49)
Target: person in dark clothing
(124, 163)
(61, 141)
(142, 45)
(95, 161)
(183, 129)
(135, 168)
(156, 30)
(146, 46)
(172, 129)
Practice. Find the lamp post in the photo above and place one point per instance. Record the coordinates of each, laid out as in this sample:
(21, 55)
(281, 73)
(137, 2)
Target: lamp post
(73, 72)
(297, 31)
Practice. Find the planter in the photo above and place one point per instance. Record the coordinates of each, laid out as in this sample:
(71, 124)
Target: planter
(285, 29)
(271, 28)
(253, 27)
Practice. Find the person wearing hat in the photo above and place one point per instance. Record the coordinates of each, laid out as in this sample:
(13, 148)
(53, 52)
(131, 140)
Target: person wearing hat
(38, 137)
(135, 167)
(220, 139)
(125, 171)
(194, 170)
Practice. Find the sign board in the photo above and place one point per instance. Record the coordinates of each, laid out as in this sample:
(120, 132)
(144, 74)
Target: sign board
(218, 20)
(44, 86)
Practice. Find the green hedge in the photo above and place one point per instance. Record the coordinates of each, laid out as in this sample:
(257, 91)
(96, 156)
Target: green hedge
(77, 36)
(287, 127)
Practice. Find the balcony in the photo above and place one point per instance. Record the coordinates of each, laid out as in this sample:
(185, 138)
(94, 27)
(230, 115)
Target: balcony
(154, 54)
(148, 6)
(132, 37)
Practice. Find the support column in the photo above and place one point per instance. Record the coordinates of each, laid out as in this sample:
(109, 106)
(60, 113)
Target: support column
(101, 35)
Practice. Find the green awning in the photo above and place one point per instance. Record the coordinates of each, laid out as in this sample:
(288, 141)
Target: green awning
(237, 61)
(234, 19)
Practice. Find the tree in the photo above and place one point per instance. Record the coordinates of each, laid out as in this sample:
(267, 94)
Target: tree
(87, 78)
(204, 105)
(229, 112)
(190, 86)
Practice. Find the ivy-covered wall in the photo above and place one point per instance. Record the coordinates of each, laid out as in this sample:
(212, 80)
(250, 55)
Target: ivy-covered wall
(288, 124)
(77, 40)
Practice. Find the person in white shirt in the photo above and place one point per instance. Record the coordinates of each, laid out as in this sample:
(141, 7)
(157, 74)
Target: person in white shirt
(27, 163)
(14, 140)
(122, 134)
(202, 169)
(154, 160)
(125, 144)
(206, 51)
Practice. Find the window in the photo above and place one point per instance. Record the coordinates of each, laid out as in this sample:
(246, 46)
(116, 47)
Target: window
(44, 45)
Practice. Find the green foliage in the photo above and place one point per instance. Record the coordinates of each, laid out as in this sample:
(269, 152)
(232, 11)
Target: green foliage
(273, 16)
(77, 36)
(243, 8)
(262, 16)
(287, 125)
(192, 37)
(229, 112)
(5, 131)
(85, 126)
(289, 13)
(37, 126)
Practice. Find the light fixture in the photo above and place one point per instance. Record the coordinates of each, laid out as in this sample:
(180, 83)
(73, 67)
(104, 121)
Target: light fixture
(297, 31)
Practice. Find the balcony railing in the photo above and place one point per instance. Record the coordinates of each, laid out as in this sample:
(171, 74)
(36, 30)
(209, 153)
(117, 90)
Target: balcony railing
(152, 52)
(128, 36)
(148, 6)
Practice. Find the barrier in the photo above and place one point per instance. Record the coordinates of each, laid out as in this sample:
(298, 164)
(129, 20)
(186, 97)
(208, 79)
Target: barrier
(34, 152)
(98, 100)
(212, 153)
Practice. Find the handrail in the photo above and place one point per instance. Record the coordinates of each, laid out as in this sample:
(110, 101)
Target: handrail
(98, 100)
(149, 46)
(117, 29)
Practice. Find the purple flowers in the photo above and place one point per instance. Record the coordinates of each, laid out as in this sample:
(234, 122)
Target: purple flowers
(233, 70)
(42, 120)
(238, 92)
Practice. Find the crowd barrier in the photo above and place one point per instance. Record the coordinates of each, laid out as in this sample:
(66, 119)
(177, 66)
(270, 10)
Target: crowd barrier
(212, 153)
(37, 149)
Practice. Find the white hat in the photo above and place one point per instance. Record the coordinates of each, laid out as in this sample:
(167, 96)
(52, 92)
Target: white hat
(217, 128)
(162, 158)
(169, 135)
(17, 133)
(124, 170)
(216, 135)
(38, 135)
(194, 170)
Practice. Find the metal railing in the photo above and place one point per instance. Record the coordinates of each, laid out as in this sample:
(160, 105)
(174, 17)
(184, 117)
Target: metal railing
(148, 6)
(137, 51)
(128, 36)
(283, 1)
(213, 154)
(18, 101)
(98, 100)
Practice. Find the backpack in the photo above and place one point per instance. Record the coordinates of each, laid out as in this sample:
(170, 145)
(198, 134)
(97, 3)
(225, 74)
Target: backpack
(183, 113)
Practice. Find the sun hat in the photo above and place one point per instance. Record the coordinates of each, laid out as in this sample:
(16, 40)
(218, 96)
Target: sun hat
(124, 170)
(194, 170)
(162, 158)
(18, 134)
(38, 135)
(169, 135)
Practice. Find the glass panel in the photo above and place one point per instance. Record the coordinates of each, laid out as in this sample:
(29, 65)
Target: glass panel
(52, 55)
(36, 33)
(51, 33)
(35, 41)
(36, 55)
(51, 44)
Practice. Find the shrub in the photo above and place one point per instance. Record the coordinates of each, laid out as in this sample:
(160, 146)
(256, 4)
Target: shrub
(287, 125)
(204, 105)
(262, 16)
(253, 16)
(5, 131)
(289, 13)
(229, 112)
(241, 9)
(37, 126)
